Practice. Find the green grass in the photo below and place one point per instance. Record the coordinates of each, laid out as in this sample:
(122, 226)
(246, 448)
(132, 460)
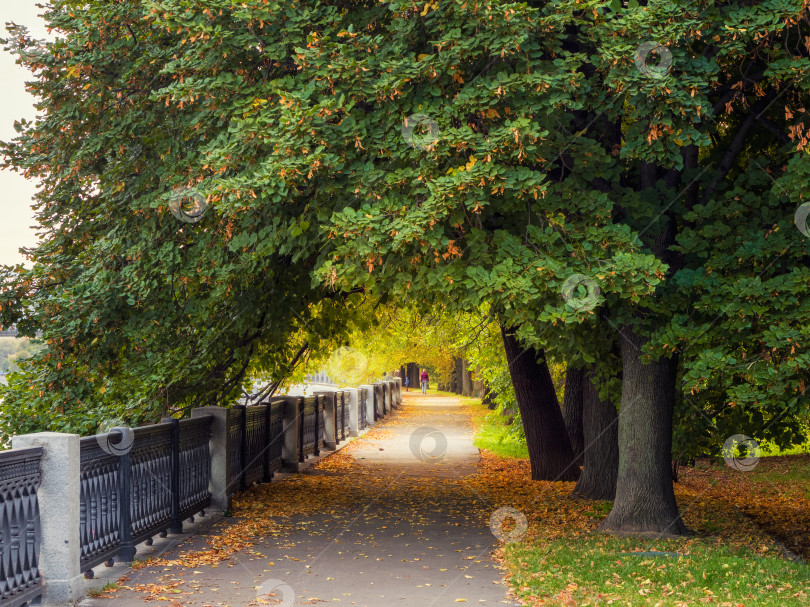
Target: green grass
(492, 435)
(768, 449)
(99, 592)
(599, 570)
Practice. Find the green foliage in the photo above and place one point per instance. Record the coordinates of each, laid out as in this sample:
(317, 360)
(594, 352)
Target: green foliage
(551, 154)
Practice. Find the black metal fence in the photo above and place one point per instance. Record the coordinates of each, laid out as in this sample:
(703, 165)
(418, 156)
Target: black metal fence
(136, 483)
(20, 477)
(362, 409)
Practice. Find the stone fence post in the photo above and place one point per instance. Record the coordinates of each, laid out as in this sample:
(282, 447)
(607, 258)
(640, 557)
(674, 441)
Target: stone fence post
(59, 511)
(292, 422)
(221, 484)
(329, 418)
(369, 390)
(354, 411)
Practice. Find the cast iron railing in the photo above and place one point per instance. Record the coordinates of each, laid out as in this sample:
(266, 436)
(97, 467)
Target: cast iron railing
(379, 402)
(362, 408)
(308, 427)
(20, 477)
(340, 408)
(321, 421)
(136, 483)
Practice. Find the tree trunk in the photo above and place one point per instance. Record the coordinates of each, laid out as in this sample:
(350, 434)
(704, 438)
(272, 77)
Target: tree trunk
(601, 454)
(458, 376)
(478, 384)
(550, 452)
(572, 410)
(645, 500)
(466, 379)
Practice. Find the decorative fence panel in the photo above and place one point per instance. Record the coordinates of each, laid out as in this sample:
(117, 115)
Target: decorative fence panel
(321, 421)
(362, 408)
(235, 437)
(346, 413)
(255, 444)
(20, 477)
(340, 407)
(379, 402)
(150, 481)
(309, 427)
(99, 501)
(276, 438)
(194, 466)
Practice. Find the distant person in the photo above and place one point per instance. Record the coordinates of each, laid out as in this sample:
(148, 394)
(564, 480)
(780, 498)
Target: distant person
(407, 382)
(424, 379)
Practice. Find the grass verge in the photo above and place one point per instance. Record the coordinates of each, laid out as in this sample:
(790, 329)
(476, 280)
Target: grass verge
(730, 561)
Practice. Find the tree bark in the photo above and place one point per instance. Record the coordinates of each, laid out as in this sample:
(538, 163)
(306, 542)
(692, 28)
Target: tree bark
(478, 384)
(550, 452)
(466, 378)
(645, 500)
(457, 376)
(573, 409)
(601, 455)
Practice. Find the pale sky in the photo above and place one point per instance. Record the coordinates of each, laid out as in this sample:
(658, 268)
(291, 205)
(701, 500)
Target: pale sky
(16, 215)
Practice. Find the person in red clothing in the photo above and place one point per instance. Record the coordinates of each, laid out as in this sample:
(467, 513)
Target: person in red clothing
(424, 379)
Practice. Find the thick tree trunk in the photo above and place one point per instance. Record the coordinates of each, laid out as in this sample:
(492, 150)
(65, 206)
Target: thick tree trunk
(601, 454)
(478, 384)
(645, 500)
(466, 379)
(572, 410)
(550, 452)
(458, 376)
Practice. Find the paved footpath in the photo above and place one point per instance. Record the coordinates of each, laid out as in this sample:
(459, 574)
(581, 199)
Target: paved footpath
(387, 520)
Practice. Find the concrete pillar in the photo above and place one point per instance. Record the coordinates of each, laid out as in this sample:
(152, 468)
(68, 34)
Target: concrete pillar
(353, 403)
(292, 435)
(221, 485)
(369, 390)
(329, 419)
(58, 495)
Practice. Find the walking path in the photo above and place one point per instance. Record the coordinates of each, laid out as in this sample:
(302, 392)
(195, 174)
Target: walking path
(390, 519)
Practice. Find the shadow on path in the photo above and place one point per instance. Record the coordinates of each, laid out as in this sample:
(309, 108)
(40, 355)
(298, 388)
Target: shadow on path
(387, 520)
